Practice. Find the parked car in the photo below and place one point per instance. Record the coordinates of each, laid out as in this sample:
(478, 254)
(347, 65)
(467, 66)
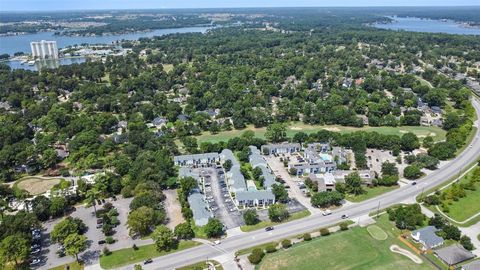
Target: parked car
(35, 251)
(270, 228)
(101, 242)
(147, 261)
(35, 262)
(99, 226)
(99, 221)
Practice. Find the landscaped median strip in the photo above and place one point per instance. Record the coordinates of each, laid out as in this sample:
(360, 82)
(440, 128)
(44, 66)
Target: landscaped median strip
(127, 256)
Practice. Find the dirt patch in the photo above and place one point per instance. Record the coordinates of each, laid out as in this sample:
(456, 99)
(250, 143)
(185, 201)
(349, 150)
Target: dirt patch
(173, 208)
(334, 129)
(406, 253)
(403, 131)
(37, 186)
(432, 134)
(296, 128)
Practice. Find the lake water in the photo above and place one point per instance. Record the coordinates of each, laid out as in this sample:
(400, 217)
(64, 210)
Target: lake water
(427, 25)
(21, 43)
(46, 63)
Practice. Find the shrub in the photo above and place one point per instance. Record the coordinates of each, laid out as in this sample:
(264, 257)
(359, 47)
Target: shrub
(324, 232)
(270, 248)
(137, 267)
(135, 247)
(307, 237)
(109, 240)
(286, 243)
(256, 256)
(106, 251)
(344, 226)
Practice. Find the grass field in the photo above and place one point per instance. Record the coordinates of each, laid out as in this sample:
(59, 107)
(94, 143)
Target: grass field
(73, 266)
(353, 249)
(128, 255)
(263, 224)
(370, 193)
(201, 265)
(377, 232)
(467, 206)
(36, 185)
(294, 127)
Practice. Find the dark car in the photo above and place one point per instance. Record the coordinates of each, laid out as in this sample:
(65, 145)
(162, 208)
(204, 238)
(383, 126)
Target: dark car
(147, 261)
(267, 229)
(101, 242)
(99, 221)
(344, 216)
(414, 183)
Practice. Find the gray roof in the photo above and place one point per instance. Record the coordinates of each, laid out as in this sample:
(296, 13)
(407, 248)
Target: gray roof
(187, 172)
(184, 158)
(475, 265)
(282, 145)
(235, 176)
(254, 195)
(199, 209)
(159, 121)
(428, 236)
(257, 160)
(454, 254)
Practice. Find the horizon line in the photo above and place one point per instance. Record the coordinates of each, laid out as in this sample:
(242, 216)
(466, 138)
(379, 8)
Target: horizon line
(239, 7)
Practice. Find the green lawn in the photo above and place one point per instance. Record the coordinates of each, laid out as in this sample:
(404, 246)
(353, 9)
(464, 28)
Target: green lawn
(352, 249)
(377, 232)
(263, 224)
(201, 265)
(73, 266)
(128, 255)
(370, 193)
(294, 127)
(467, 206)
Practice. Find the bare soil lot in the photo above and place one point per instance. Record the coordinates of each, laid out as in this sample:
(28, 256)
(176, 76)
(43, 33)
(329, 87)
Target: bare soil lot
(172, 206)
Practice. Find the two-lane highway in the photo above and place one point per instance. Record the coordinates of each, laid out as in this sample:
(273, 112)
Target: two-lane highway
(314, 222)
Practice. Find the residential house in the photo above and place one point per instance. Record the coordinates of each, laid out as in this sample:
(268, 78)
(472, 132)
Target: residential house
(257, 198)
(427, 237)
(453, 254)
(475, 265)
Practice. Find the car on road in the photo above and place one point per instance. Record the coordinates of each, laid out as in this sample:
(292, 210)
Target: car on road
(216, 242)
(344, 216)
(414, 183)
(101, 242)
(147, 261)
(270, 228)
(326, 212)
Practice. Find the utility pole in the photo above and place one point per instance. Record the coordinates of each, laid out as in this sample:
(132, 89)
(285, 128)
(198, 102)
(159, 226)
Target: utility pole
(378, 209)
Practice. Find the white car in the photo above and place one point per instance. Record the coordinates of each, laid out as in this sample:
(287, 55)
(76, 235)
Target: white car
(216, 242)
(326, 212)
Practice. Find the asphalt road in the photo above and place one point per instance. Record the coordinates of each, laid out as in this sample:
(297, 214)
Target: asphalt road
(316, 221)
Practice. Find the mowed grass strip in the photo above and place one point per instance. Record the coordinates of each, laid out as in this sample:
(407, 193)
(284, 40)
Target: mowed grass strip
(267, 223)
(467, 206)
(370, 192)
(201, 265)
(295, 127)
(126, 256)
(377, 232)
(353, 249)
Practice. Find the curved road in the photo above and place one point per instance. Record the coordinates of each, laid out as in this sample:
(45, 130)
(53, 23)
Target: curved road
(314, 222)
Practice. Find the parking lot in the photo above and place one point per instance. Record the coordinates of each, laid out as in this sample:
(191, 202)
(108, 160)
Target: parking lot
(218, 197)
(48, 254)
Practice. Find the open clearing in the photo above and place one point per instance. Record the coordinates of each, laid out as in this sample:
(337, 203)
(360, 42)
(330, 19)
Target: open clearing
(294, 127)
(172, 206)
(37, 185)
(377, 232)
(353, 249)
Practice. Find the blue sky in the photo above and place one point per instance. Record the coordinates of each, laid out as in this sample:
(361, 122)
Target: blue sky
(42, 5)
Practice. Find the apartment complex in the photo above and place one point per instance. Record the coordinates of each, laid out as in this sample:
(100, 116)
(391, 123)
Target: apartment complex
(44, 49)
